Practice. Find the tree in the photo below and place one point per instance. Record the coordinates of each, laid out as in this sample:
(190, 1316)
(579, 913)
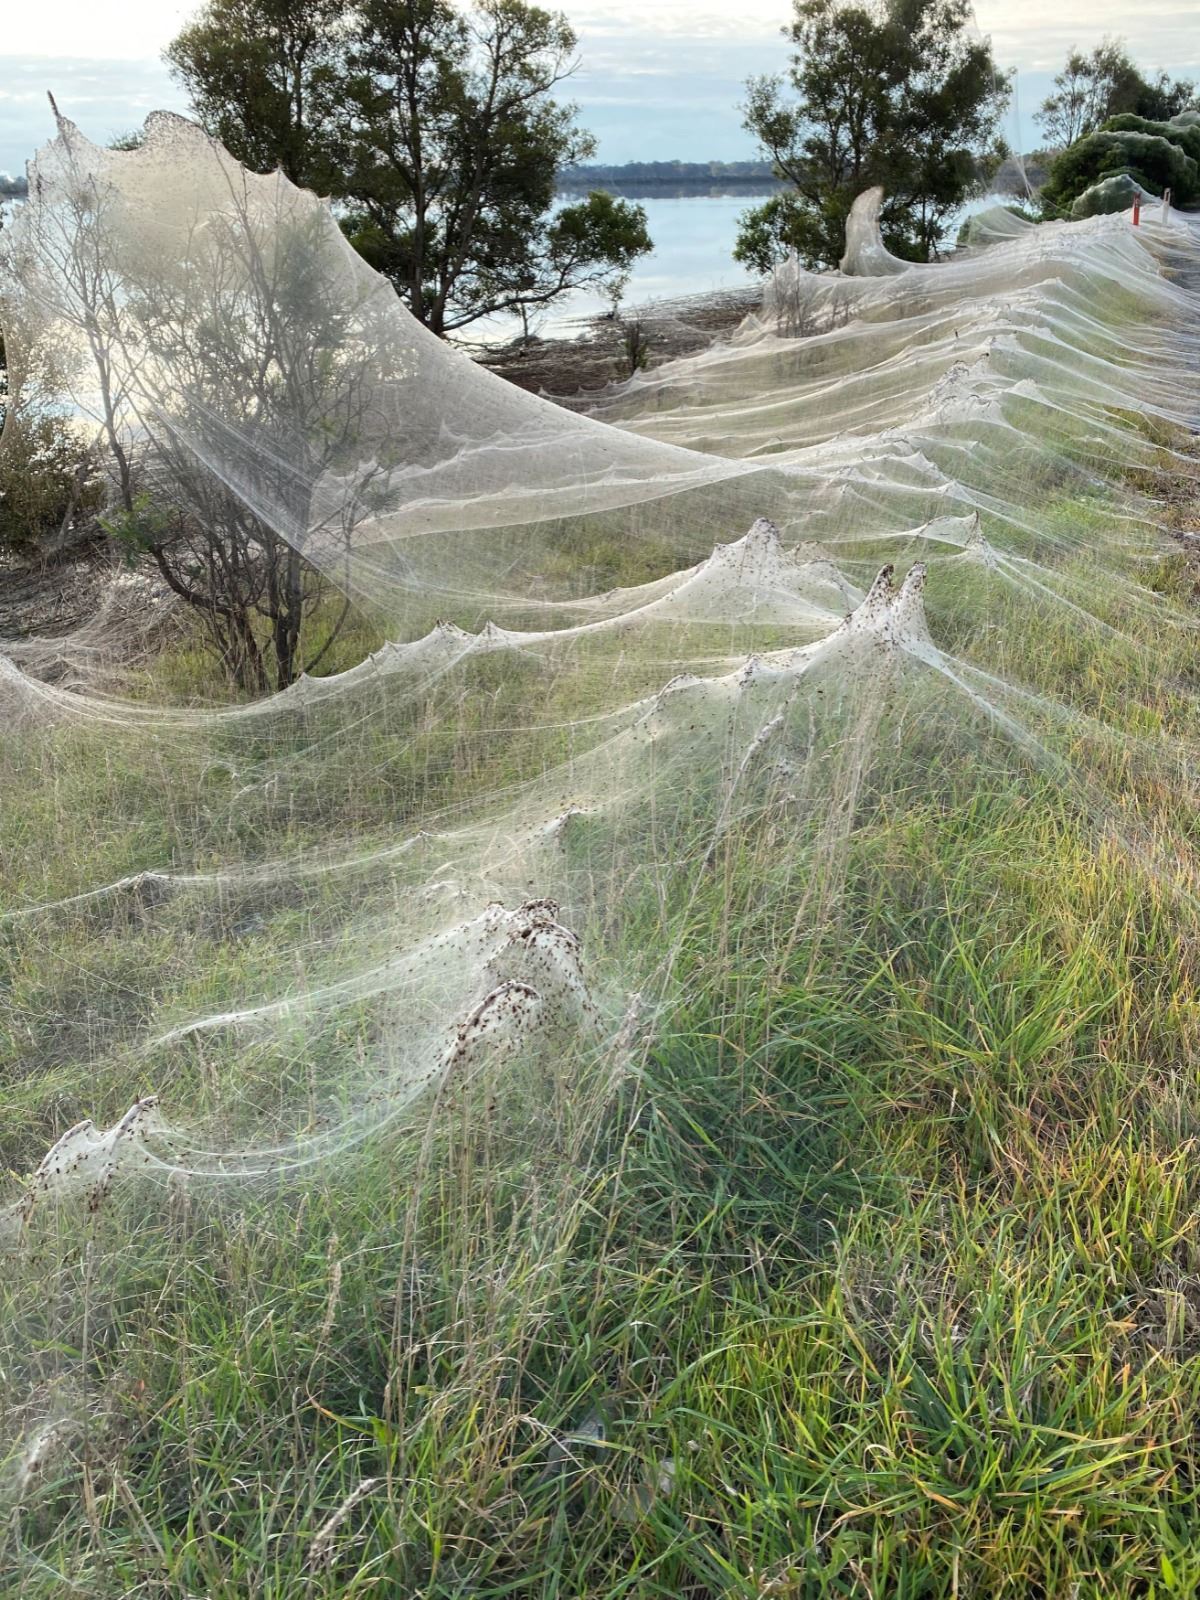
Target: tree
(435, 131)
(891, 92)
(1092, 89)
(454, 143)
(276, 359)
(262, 77)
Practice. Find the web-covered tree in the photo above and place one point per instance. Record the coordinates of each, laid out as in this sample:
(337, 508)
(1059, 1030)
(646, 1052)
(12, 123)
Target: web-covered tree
(260, 341)
(266, 334)
(435, 130)
(1091, 89)
(899, 93)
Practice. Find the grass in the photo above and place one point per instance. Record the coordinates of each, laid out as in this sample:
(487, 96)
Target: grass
(879, 1283)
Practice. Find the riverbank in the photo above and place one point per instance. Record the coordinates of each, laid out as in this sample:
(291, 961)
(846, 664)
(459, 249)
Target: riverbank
(601, 350)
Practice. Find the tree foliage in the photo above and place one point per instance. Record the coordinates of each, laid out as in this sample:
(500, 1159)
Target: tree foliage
(1092, 89)
(262, 77)
(891, 92)
(435, 130)
(47, 479)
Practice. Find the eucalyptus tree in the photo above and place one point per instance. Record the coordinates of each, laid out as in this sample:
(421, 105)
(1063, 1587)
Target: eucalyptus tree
(436, 131)
(898, 93)
(1093, 88)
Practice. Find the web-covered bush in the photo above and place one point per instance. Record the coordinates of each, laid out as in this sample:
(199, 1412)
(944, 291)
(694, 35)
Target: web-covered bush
(1153, 162)
(1185, 134)
(1108, 196)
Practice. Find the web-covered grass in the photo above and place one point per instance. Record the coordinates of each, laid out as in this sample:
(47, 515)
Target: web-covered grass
(879, 1266)
(672, 1069)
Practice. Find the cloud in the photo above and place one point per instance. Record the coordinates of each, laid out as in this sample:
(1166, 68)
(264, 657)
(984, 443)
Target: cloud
(105, 98)
(643, 96)
(98, 30)
(1036, 37)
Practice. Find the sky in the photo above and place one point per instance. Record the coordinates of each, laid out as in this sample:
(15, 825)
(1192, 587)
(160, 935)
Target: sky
(657, 79)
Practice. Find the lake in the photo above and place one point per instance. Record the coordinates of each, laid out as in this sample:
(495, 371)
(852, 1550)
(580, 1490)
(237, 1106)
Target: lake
(693, 236)
(693, 233)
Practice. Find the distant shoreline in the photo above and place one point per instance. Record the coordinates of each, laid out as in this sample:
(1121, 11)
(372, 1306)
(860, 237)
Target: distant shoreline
(671, 178)
(684, 179)
(671, 188)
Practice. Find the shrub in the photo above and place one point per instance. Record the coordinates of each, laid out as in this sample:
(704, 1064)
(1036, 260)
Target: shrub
(47, 479)
(1153, 162)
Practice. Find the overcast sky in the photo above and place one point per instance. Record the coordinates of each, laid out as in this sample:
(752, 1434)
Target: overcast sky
(657, 79)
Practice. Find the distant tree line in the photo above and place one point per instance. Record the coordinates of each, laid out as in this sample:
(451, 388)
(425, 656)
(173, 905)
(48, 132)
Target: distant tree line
(666, 172)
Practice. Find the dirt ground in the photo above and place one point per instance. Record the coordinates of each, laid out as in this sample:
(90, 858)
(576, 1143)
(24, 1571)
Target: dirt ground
(42, 599)
(80, 619)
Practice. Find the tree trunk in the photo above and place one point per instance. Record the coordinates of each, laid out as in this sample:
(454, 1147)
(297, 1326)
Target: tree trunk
(288, 617)
(245, 659)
